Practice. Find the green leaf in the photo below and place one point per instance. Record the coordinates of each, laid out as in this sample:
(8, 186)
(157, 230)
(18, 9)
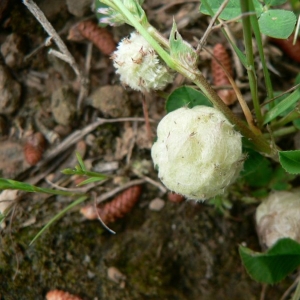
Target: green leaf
(274, 2)
(277, 23)
(253, 162)
(281, 179)
(232, 9)
(282, 106)
(274, 265)
(26, 187)
(290, 161)
(58, 216)
(185, 96)
(80, 161)
(91, 180)
(297, 123)
(181, 50)
(261, 173)
(98, 5)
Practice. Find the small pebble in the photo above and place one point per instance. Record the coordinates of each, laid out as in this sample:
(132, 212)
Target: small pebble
(112, 101)
(116, 276)
(60, 295)
(10, 92)
(156, 204)
(79, 8)
(63, 105)
(12, 50)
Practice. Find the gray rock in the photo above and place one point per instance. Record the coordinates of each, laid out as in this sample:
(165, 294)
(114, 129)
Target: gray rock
(10, 92)
(79, 8)
(63, 105)
(111, 100)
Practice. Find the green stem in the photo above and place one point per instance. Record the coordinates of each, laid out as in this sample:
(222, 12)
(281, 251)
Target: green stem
(281, 132)
(287, 119)
(245, 8)
(260, 47)
(261, 144)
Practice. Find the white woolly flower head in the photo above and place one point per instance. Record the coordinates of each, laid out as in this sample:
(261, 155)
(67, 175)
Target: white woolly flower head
(198, 153)
(139, 66)
(278, 217)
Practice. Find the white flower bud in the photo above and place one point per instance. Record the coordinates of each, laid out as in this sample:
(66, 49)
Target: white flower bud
(198, 153)
(139, 66)
(278, 217)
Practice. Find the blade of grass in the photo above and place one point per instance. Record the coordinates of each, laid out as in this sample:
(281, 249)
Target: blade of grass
(8, 184)
(260, 47)
(80, 161)
(58, 216)
(246, 21)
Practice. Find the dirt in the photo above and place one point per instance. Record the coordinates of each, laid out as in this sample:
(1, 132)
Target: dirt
(180, 251)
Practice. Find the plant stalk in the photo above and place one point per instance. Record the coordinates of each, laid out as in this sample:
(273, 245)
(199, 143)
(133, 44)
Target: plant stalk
(255, 27)
(245, 8)
(261, 144)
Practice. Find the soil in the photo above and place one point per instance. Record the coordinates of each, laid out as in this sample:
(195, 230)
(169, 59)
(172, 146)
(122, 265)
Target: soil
(177, 251)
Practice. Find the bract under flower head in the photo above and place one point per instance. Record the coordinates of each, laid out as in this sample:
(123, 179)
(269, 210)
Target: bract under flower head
(139, 66)
(113, 17)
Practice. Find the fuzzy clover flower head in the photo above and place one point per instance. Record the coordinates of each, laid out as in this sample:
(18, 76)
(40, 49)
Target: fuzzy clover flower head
(198, 153)
(139, 66)
(278, 216)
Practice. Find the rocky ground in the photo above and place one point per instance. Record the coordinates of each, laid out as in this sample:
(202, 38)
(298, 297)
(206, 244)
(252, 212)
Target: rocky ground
(161, 249)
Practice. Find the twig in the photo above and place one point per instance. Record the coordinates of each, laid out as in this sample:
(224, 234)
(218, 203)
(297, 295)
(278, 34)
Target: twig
(209, 28)
(151, 181)
(99, 218)
(88, 58)
(83, 190)
(64, 53)
(263, 292)
(292, 287)
(79, 134)
(146, 116)
(223, 23)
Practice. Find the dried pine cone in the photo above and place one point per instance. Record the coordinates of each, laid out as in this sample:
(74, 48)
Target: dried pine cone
(34, 148)
(176, 198)
(220, 78)
(115, 209)
(89, 30)
(60, 295)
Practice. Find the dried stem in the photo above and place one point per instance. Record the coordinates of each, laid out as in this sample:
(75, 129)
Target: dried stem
(63, 53)
(210, 26)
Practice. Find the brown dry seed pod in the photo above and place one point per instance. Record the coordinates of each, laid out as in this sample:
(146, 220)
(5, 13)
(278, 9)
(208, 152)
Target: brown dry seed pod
(220, 78)
(293, 51)
(115, 209)
(61, 295)
(34, 148)
(89, 30)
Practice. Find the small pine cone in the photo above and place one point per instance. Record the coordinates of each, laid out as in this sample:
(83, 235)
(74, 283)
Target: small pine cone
(286, 45)
(115, 209)
(220, 77)
(89, 30)
(60, 295)
(34, 148)
(176, 198)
